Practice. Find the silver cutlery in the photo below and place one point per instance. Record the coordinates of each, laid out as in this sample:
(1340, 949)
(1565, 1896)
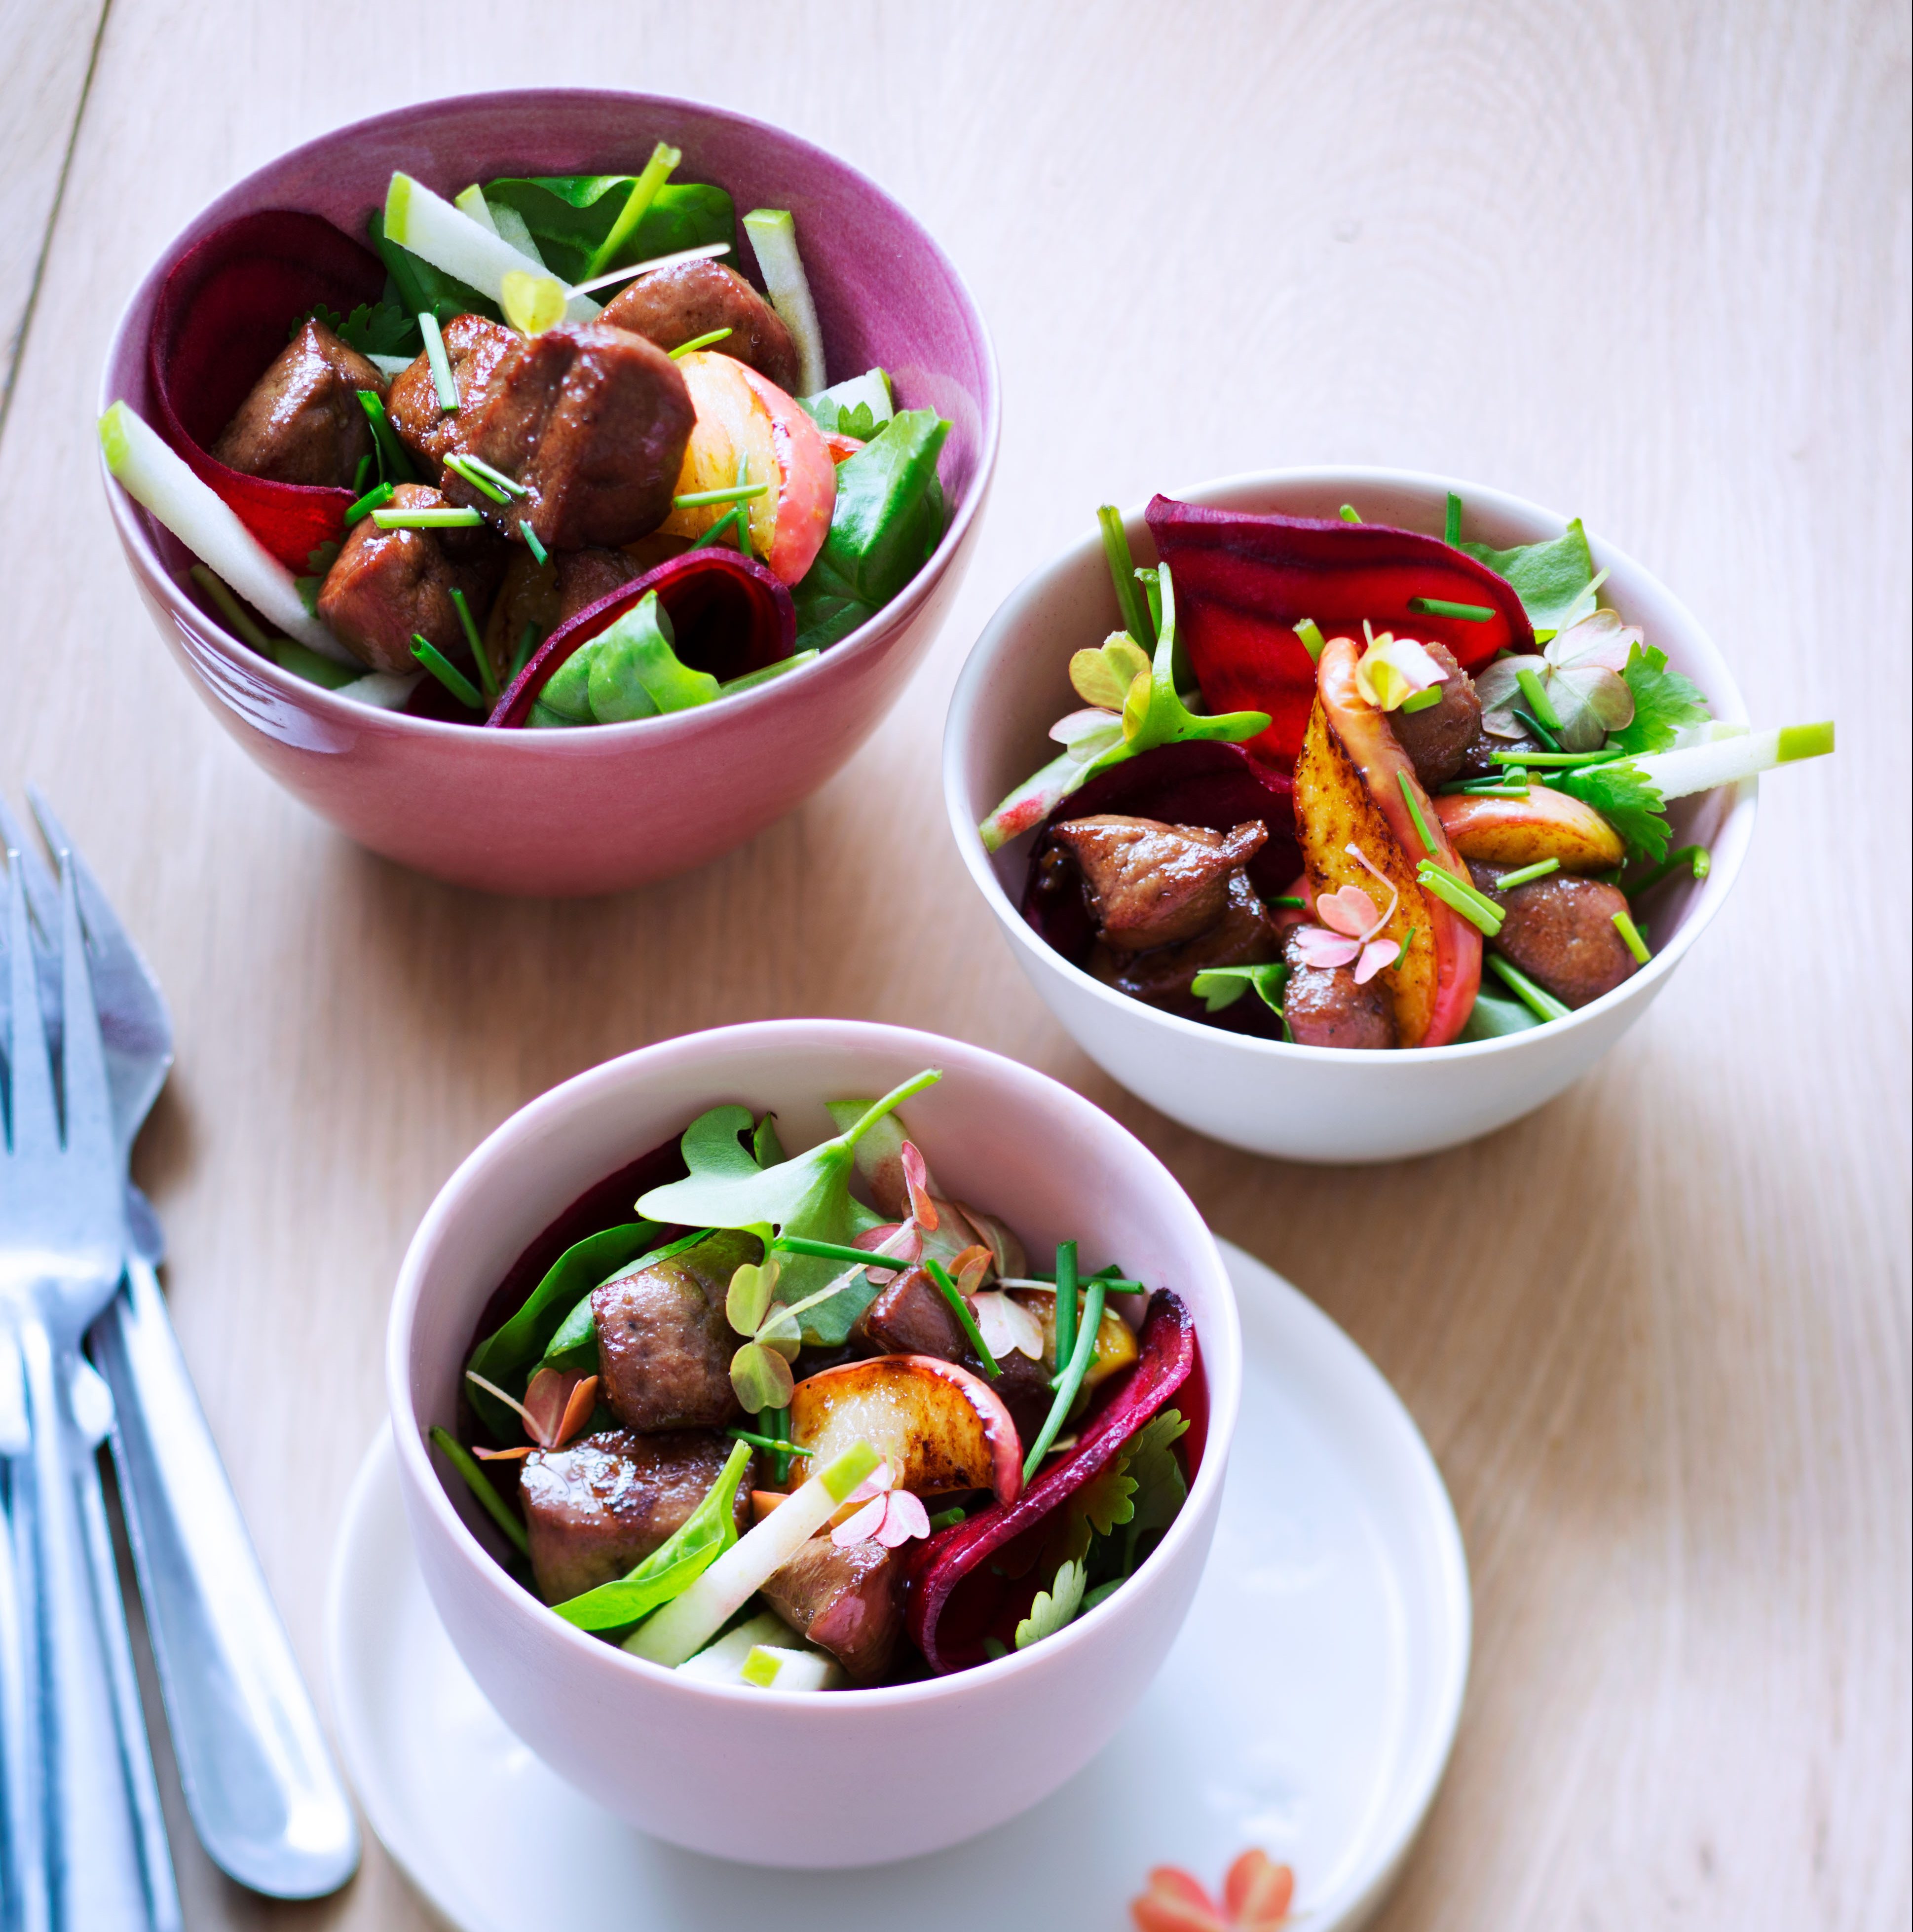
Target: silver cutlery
(258, 1779)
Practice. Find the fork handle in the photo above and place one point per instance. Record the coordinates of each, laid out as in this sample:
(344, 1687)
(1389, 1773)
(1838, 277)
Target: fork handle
(259, 1780)
(91, 1833)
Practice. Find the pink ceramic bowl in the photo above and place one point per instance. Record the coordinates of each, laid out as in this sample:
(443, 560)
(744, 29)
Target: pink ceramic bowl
(599, 810)
(878, 1774)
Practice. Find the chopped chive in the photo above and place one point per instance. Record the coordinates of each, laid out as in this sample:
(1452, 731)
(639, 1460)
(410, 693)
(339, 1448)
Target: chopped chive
(1422, 701)
(447, 519)
(1480, 788)
(395, 465)
(362, 470)
(469, 624)
(834, 1251)
(448, 673)
(1066, 1309)
(1527, 875)
(231, 610)
(1538, 702)
(1350, 515)
(1472, 906)
(441, 363)
(1451, 532)
(1541, 1003)
(476, 470)
(775, 1423)
(480, 1483)
(718, 528)
(733, 492)
(482, 484)
(1071, 1381)
(948, 1519)
(375, 498)
(1313, 641)
(751, 680)
(1414, 804)
(1442, 607)
(1407, 941)
(938, 1273)
(773, 1445)
(1122, 573)
(527, 643)
(1294, 900)
(1534, 724)
(531, 536)
(644, 191)
(1694, 856)
(1556, 760)
(697, 342)
(743, 514)
(1629, 931)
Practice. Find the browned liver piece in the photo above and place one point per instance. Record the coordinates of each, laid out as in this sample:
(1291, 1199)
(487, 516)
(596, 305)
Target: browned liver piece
(677, 305)
(1437, 739)
(1241, 936)
(303, 421)
(474, 346)
(596, 1508)
(1477, 761)
(594, 422)
(665, 1343)
(1325, 1007)
(387, 585)
(1561, 931)
(849, 1602)
(1151, 884)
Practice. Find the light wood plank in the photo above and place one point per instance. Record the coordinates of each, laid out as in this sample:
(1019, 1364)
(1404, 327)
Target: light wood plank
(1646, 263)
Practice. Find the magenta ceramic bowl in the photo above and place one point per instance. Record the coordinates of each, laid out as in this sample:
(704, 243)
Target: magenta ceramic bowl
(599, 810)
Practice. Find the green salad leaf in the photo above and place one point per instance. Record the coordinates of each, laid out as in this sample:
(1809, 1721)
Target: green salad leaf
(1053, 1607)
(670, 1569)
(569, 215)
(373, 328)
(415, 287)
(1664, 701)
(1554, 580)
(1628, 799)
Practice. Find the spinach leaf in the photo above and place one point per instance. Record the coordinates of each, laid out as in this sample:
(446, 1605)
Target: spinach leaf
(416, 287)
(1551, 579)
(569, 215)
(670, 1569)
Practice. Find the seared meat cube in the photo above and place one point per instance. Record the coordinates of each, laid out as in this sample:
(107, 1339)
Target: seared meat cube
(1437, 739)
(387, 585)
(303, 421)
(665, 1343)
(474, 346)
(1477, 761)
(1150, 884)
(1241, 936)
(1561, 931)
(677, 305)
(595, 1509)
(849, 1602)
(548, 594)
(594, 422)
(1325, 1007)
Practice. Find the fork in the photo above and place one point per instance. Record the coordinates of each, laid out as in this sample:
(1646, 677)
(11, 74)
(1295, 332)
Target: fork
(61, 1244)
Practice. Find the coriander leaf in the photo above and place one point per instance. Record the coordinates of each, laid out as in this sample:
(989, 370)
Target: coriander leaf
(1053, 1607)
(1161, 1487)
(1664, 701)
(1551, 579)
(1629, 801)
(373, 328)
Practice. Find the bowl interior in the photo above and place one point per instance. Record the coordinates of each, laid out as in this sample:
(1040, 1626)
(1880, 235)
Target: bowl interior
(995, 1134)
(1016, 684)
(886, 293)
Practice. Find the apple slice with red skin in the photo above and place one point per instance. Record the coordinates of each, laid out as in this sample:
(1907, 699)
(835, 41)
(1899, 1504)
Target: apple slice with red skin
(940, 1428)
(1546, 824)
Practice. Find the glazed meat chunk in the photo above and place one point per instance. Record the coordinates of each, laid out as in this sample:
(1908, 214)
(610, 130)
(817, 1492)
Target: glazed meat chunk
(387, 585)
(303, 422)
(848, 1602)
(1561, 931)
(596, 1509)
(1240, 937)
(1439, 738)
(1325, 1007)
(665, 1343)
(677, 305)
(1150, 884)
(474, 346)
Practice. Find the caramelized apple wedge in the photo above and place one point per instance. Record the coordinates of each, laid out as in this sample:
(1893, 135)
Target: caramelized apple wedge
(1115, 1343)
(1523, 831)
(940, 1428)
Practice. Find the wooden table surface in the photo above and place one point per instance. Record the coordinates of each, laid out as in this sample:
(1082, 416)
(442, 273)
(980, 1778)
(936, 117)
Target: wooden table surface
(1646, 262)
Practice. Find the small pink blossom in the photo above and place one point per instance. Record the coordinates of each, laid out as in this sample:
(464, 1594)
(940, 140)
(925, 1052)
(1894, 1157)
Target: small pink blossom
(1350, 924)
(890, 1516)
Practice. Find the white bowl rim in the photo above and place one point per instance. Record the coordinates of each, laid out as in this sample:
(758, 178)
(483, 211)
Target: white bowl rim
(133, 521)
(968, 704)
(1221, 1368)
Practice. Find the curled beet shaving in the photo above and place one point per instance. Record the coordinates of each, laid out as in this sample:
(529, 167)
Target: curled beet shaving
(729, 614)
(223, 313)
(1243, 581)
(948, 1623)
(1196, 783)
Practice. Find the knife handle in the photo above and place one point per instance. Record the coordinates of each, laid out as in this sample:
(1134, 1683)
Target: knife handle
(258, 1779)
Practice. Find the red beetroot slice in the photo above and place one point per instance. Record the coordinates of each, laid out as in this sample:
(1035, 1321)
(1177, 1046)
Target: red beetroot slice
(1167, 1358)
(223, 313)
(1197, 782)
(729, 614)
(1243, 581)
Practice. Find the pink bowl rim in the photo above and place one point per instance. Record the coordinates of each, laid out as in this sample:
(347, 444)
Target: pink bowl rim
(867, 640)
(967, 712)
(1221, 1358)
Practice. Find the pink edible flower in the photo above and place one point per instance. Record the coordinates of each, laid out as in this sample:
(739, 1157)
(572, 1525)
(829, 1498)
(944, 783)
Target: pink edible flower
(1347, 934)
(557, 1405)
(890, 1516)
(903, 1240)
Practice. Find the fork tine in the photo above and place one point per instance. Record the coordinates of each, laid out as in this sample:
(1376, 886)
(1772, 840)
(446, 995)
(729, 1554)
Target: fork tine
(36, 1130)
(43, 896)
(89, 1100)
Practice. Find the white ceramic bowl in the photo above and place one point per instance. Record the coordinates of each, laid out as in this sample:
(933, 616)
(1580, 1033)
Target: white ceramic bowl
(1309, 1103)
(860, 1777)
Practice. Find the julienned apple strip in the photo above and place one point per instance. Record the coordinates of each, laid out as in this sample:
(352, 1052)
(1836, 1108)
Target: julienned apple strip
(1694, 768)
(455, 244)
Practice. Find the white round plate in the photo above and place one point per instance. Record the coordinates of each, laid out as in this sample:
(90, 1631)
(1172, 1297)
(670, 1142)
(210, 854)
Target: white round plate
(1307, 1707)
